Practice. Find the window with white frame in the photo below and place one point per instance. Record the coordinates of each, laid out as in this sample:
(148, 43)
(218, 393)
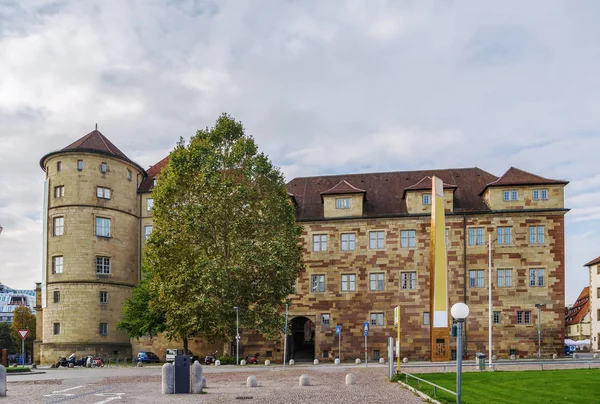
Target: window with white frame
(540, 194)
(103, 168)
(536, 234)
(59, 226)
(342, 203)
(103, 328)
(348, 282)
(496, 317)
(544, 193)
(103, 193)
(319, 242)
(318, 283)
(426, 318)
(102, 227)
(408, 238)
(504, 278)
(59, 191)
(376, 281)
(504, 235)
(523, 317)
(325, 317)
(376, 239)
(147, 232)
(149, 204)
(56, 328)
(476, 236)
(476, 278)
(377, 319)
(426, 199)
(103, 265)
(536, 277)
(348, 241)
(57, 264)
(512, 195)
(408, 280)
(103, 297)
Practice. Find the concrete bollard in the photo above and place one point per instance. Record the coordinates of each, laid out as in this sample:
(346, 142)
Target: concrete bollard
(337, 361)
(196, 378)
(217, 363)
(251, 381)
(203, 382)
(243, 362)
(494, 358)
(267, 362)
(316, 362)
(554, 356)
(304, 380)
(139, 365)
(381, 360)
(168, 379)
(350, 379)
(357, 361)
(2, 381)
(71, 365)
(513, 357)
(34, 366)
(575, 356)
(595, 356)
(405, 360)
(292, 362)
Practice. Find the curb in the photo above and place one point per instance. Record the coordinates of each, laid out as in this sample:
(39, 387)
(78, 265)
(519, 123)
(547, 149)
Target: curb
(24, 373)
(419, 393)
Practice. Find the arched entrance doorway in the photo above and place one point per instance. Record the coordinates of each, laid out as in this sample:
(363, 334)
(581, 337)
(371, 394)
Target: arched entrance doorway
(302, 341)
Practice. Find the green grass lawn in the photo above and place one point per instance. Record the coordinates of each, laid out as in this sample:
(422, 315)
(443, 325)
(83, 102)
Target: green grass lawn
(543, 387)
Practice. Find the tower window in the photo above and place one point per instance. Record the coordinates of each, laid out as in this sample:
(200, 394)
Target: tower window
(56, 328)
(102, 227)
(57, 264)
(103, 168)
(59, 191)
(103, 328)
(103, 193)
(56, 296)
(79, 165)
(102, 265)
(103, 297)
(59, 226)
(128, 175)
(58, 165)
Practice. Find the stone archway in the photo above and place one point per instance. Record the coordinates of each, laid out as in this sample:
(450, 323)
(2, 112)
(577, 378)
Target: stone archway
(301, 342)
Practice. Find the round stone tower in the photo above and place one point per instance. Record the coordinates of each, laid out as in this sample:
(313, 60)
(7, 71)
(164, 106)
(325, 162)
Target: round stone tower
(91, 248)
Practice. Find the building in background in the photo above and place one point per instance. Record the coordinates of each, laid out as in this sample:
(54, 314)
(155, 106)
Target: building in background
(578, 319)
(366, 248)
(10, 299)
(594, 268)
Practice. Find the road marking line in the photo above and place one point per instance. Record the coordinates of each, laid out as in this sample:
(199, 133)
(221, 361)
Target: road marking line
(70, 388)
(108, 399)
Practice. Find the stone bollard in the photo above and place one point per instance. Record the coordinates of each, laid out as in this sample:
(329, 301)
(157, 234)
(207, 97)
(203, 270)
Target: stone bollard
(2, 381)
(350, 379)
(404, 360)
(304, 380)
(494, 358)
(139, 364)
(337, 361)
(267, 362)
(357, 361)
(554, 356)
(243, 362)
(251, 381)
(203, 382)
(71, 365)
(217, 363)
(595, 356)
(196, 378)
(381, 360)
(34, 366)
(168, 379)
(575, 356)
(292, 362)
(513, 357)
(316, 362)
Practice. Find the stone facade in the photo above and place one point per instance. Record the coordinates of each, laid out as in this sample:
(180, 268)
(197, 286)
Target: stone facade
(594, 270)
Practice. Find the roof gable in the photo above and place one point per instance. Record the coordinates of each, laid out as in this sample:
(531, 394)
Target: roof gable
(593, 262)
(148, 182)
(343, 187)
(424, 185)
(580, 308)
(515, 176)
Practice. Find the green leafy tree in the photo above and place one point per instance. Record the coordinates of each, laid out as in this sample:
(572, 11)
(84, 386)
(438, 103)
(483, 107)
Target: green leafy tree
(138, 318)
(224, 235)
(23, 319)
(7, 339)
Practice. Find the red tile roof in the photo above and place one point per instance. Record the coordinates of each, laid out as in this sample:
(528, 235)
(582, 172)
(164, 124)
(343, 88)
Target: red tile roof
(580, 308)
(148, 182)
(593, 262)
(385, 190)
(514, 176)
(343, 187)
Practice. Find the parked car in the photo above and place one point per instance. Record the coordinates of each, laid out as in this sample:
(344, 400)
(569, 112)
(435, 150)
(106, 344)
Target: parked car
(171, 353)
(147, 357)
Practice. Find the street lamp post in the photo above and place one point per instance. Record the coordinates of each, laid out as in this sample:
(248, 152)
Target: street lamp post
(539, 306)
(237, 335)
(459, 311)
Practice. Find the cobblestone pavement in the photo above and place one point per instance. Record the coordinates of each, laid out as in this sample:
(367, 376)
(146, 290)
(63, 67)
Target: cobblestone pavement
(225, 385)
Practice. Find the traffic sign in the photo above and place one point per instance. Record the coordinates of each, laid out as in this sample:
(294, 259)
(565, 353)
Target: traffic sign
(338, 329)
(23, 333)
(366, 328)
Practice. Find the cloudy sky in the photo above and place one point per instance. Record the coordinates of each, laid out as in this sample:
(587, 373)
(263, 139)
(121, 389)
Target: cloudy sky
(325, 87)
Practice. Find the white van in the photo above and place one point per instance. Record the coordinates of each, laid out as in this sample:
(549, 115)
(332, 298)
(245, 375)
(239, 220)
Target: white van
(171, 353)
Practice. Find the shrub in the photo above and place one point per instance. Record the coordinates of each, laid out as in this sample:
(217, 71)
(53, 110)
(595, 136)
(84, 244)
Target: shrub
(227, 360)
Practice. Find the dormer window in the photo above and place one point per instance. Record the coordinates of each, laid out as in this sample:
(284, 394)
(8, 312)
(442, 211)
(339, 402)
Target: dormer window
(540, 194)
(342, 203)
(426, 199)
(511, 195)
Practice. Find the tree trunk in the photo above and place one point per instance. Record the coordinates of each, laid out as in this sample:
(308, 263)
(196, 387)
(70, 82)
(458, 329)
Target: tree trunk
(185, 346)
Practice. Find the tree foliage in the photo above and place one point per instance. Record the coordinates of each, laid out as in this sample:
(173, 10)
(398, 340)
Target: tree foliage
(7, 338)
(137, 317)
(24, 319)
(224, 235)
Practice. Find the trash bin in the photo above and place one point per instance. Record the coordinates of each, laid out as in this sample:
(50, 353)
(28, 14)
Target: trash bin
(481, 360)
(182, 374)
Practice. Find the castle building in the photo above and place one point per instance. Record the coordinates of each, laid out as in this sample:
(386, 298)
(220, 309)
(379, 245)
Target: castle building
(366, 250)
(578, 319)
(594, 294)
